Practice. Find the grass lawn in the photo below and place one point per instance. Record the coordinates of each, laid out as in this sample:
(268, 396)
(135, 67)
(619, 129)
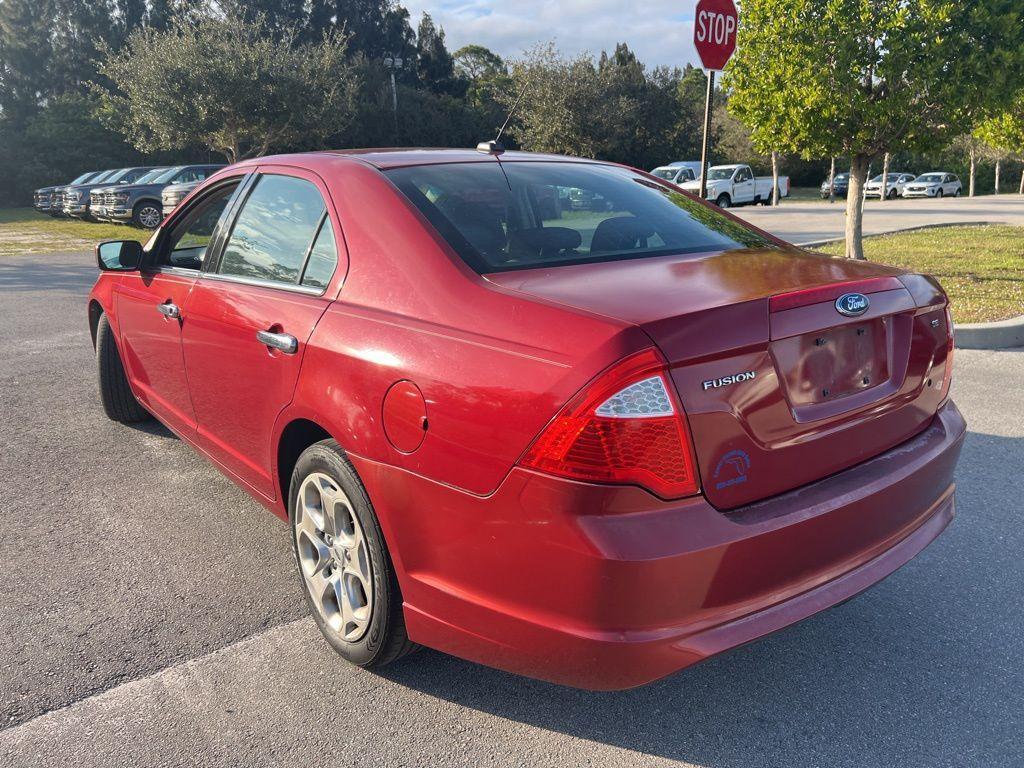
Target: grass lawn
(806, 195)
(23, 230)
(981, 267)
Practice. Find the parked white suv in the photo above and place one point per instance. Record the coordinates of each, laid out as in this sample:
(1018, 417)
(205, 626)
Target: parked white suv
(893, 188)
(934, 184)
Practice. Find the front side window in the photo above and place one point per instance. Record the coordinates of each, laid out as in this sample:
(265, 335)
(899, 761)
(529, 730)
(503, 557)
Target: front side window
(519, 215)
(274, 230)
(191, 235)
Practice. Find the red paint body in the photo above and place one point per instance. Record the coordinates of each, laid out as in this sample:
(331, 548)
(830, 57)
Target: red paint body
(436, 381)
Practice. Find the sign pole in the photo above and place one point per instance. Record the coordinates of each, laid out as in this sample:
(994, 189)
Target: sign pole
(707, 136)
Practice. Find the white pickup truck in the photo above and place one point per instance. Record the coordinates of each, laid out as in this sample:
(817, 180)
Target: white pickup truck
(730, 185)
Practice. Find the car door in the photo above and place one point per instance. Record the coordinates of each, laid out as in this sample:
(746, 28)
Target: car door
(743, 186)
(251, 313)
(149, 306)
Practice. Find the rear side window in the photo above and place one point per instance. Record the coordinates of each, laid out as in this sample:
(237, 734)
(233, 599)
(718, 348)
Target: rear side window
(192, 174)
(274, 230)
(521, 215)
(323, 258)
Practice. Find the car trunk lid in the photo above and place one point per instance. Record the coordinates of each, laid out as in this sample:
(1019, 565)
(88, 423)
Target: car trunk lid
(779, 388)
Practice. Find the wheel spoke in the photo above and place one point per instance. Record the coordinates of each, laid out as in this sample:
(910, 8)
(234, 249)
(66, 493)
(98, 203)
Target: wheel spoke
(329, 495)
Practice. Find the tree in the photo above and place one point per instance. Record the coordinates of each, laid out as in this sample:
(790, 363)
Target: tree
(375, 28)
(24, 57)
(1003, 135)
(434, 65)
(228, 84)
(863, 77)
(475, 62)
(611, 108)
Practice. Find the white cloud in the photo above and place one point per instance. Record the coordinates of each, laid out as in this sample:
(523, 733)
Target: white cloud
(658, 31)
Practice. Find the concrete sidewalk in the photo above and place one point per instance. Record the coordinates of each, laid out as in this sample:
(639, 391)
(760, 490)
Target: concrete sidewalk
(813, 222)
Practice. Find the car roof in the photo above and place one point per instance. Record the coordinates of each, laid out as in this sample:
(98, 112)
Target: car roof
(401, 157)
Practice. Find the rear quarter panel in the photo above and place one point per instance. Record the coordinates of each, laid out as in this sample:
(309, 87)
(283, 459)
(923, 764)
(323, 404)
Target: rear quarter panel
(493, 366)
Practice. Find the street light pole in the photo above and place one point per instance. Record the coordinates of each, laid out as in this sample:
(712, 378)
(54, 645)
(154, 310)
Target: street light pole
(392, 63)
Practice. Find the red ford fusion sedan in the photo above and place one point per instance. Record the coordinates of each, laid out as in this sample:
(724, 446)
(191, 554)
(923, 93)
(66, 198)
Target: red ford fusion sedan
(593, 444)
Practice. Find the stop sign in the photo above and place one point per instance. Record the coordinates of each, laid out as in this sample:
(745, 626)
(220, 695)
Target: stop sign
(714, 32)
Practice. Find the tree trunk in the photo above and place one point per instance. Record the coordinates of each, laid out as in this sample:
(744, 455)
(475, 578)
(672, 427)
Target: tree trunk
(1021, 190)
(885, 178)
(832, 182)
(775, 178)
(855, 208)
(999, 164)
(974, 153)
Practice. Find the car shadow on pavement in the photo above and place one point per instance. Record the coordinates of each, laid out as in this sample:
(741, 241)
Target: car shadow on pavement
(47, 272)
(920, 670)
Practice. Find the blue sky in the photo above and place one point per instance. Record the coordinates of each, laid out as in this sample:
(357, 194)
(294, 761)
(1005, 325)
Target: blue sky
(660, 32)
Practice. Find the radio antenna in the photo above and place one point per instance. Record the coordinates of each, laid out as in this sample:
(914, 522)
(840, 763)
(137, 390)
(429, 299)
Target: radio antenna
(494, 146)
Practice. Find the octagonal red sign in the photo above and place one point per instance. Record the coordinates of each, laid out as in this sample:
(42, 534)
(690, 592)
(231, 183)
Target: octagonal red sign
(714, 32)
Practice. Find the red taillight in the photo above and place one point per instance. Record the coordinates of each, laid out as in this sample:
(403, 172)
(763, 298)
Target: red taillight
(626, 427)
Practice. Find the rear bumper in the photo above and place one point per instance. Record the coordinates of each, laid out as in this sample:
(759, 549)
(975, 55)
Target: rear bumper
(609, 588)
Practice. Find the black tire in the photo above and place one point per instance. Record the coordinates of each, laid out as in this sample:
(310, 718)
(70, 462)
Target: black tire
(116, 395)
(724, 201)
(385, 639)
(892, 194)
(956, 192)
(147, 214)
(939, 193)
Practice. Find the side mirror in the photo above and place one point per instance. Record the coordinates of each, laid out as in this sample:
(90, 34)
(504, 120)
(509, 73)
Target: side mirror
(119, 255)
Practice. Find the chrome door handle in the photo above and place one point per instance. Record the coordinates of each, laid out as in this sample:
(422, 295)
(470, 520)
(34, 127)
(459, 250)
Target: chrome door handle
(169, 310)
(282, 341)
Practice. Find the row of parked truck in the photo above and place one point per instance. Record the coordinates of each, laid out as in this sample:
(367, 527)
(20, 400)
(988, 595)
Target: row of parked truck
(728, 185)
(140, 196)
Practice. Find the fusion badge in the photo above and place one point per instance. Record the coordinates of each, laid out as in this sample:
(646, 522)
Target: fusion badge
(726, 381)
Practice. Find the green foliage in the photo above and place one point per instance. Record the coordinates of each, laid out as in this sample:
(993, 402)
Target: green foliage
(27, 159)
(230, 85)
(1004, 131)
(476, 62)
(864, 77)
(611, 108)
(434, 65)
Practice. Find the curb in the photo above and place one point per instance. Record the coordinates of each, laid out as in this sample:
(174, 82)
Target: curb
(1005, 334)
(819, 243)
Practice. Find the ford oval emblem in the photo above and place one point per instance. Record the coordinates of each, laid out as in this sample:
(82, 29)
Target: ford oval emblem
(852, 304)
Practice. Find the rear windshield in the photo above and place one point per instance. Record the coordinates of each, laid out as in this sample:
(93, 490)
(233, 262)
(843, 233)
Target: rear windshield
(664, 173)
(523, 215)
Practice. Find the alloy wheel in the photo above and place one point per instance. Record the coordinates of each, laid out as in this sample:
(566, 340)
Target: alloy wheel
(333, 556)
(149, 217)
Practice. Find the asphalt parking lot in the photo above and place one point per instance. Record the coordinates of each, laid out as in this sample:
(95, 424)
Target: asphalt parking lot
(813, 222)
(149, 615)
